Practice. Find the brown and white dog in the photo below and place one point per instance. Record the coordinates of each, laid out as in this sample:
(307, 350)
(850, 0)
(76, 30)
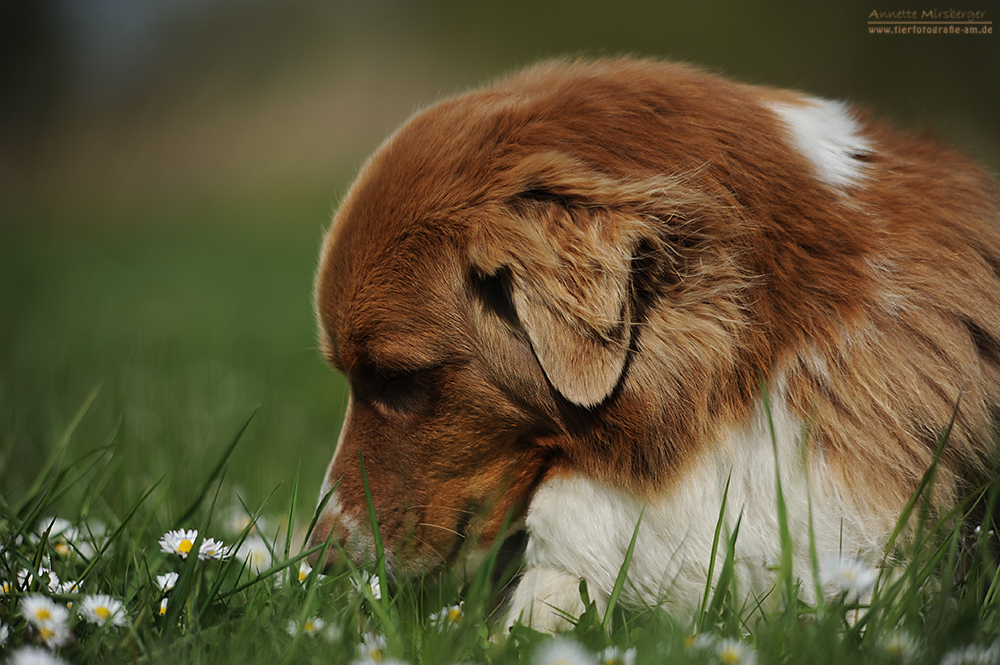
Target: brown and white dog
(560, 296)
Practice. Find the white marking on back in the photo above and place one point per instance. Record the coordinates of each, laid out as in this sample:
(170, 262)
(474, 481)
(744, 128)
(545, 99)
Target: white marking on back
(828, 136)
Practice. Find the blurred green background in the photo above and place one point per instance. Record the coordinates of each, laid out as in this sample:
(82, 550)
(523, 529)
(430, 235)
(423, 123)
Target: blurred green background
(167, 168)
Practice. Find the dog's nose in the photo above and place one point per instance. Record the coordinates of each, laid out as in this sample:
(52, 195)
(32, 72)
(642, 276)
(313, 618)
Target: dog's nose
(328, 536)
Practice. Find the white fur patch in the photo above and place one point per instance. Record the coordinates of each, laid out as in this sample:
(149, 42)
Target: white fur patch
(580, 527)
(354, 539)
(828, 136)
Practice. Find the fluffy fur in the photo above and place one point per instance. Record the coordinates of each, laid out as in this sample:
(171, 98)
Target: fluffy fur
(558, 297)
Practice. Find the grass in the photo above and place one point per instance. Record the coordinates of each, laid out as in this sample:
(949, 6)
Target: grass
(154, 380)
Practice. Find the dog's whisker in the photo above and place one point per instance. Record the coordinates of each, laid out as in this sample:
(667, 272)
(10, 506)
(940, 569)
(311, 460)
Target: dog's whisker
(443, 528)
(453, 509)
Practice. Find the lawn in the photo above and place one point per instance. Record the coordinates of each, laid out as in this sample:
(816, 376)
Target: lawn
(160, 373)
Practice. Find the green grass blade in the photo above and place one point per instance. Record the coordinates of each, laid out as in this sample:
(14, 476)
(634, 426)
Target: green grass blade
(622, 573)
(785, 536)
(223, 461)
(700, 618)
(55, 458)
(291, 511)
(376, 535)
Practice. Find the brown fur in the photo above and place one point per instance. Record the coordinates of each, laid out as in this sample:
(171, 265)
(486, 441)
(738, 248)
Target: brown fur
(590, 268)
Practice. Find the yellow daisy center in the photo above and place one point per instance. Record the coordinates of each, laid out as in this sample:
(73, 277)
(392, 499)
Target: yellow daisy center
(43, 614)
(163, 608)
(730, 656)
(454, 614)
(102, 612)
(185, 546)
(309, 627)
(303, 575)
(62, 549)
(46, 633)
(376, 655)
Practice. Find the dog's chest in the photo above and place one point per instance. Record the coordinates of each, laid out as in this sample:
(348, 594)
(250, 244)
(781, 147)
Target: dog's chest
(583, 526)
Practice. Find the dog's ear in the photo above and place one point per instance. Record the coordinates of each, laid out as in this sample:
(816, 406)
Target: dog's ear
(568, 263)
(578, 318)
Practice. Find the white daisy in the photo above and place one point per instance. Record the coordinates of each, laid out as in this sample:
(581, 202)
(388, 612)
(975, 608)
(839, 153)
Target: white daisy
(42, 611)
(734, 652)
(4, 633)
(236, 520)
(372, 648)
(212, 549)
(179, 542)
(163, 606)
(55, 635)
(972, 655)
(68, 587)
(900, 647)
(34, 656)
(852, 577)
(447, 617)
(103, 610)
(166, 581)
(25, 578)
(56, 526)
(370, 582)
(563, 651)
(312, 626)
(256, 554)
(701, 641)
(615, 656)
(304, 570)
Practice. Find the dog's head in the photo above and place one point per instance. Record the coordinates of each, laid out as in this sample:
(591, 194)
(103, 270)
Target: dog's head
(485, 288)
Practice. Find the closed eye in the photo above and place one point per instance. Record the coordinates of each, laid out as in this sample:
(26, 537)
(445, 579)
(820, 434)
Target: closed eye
(396, 392)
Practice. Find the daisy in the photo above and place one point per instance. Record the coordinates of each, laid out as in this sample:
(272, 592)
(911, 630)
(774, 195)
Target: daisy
(304, 570)
(311, 626)
(237, 520)
(973, 655)
(41, 611)
(166, 581)
(56, 526)
(34, 656)
(370, 582)
(372, 648)
(163, 606)
(900, 647)
(853, 578)
(734, 652)
(25, 578)
(4, 633)
(103, 610)
(615, 656)
(69, 587)
(563, 651)
(448, 617)
(701, 641)
(212, 549)
(256, 554)
(55, 634)
(179, 542)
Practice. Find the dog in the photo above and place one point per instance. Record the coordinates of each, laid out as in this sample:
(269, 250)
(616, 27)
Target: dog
(604, 288)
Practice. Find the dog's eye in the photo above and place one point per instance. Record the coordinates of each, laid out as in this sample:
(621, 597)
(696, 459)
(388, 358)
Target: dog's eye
(399, 392)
